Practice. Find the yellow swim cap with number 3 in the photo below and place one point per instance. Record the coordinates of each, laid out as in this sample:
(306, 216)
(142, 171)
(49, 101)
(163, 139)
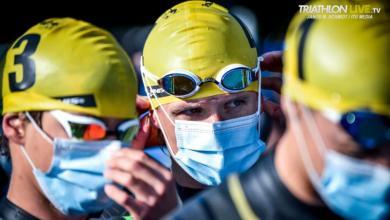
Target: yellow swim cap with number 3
(69, 65)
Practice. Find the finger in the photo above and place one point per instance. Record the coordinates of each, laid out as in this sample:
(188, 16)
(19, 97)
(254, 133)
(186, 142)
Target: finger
(125, 200)
(142, 104)
(156, 137)
(140, 139)
(137, 155)
(272, 83)
(272, 109)
(139, 171)
(272, 61)
(143, 192)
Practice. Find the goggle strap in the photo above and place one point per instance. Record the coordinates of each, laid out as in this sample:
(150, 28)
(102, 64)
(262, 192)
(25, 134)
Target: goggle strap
(37, 128)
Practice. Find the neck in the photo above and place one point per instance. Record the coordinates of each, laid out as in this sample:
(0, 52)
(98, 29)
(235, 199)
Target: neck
(291, 170)
(28, 198)
(183, 179)
(24, 192)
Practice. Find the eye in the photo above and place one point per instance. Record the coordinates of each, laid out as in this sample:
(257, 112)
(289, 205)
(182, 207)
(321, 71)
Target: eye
(235, 103)
(189, 112)
(192, 111)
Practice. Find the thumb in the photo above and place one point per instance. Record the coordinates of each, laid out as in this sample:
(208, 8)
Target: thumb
(143, 134)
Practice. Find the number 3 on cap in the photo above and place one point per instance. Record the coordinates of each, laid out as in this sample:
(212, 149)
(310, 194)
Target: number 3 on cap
(28, 64)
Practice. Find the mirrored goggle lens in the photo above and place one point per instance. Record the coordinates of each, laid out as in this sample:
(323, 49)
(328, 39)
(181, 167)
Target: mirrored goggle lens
(368, 129)
(128, 134)
(177, 84)
(94, 132)
(237, 79)
(88, 132)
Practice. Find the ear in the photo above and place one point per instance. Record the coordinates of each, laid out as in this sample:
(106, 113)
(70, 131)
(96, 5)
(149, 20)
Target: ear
(14, 127)
(154, 120)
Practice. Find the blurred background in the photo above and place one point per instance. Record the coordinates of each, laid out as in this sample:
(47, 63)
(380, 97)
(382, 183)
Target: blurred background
(130, 21)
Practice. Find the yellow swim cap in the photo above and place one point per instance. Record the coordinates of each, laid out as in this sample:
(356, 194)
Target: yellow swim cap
(340, 64)
(201, 37)
(69, 65)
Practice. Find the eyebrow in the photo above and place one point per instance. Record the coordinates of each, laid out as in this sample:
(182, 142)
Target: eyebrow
(241, 96)
(186, 105)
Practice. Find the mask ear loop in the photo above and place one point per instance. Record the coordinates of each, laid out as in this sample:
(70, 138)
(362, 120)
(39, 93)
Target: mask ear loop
(27, 157)
(37, 128)
(302, 146)
(310, 122)
(44, 135)
(144, 74)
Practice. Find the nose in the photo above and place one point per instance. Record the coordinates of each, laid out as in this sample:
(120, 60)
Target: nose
(110, 135)
(214, 117)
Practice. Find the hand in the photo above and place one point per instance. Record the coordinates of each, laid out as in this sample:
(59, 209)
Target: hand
(152, 186)
(152, 135)
(272, 62)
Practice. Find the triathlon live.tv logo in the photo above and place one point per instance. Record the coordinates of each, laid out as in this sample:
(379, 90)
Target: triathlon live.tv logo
(358, 11)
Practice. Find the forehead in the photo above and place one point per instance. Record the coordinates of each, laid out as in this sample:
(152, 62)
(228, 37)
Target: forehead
(212, 100)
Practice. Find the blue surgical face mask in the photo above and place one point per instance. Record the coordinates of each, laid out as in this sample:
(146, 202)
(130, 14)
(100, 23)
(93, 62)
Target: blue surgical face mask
(209, 152)
(74, 183)
(353, 188)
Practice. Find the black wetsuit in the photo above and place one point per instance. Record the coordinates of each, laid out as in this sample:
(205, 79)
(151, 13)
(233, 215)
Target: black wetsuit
(264, 193)
(9, 210)
(116, 211)
(4, 180)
